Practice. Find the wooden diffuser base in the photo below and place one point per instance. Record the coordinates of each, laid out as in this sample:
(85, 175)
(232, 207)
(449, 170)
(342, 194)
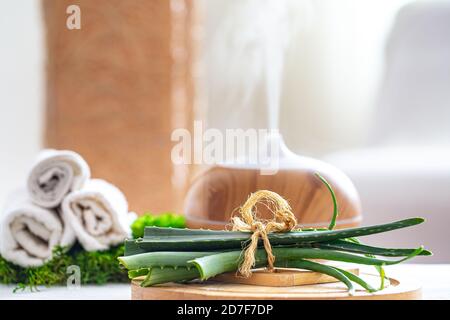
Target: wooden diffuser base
(217, 192)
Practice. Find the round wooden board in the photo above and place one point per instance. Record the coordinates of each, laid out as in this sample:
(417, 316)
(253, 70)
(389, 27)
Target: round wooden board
(398, 289)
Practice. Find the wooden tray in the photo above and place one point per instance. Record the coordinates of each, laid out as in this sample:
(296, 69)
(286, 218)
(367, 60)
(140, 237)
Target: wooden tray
(398, 289)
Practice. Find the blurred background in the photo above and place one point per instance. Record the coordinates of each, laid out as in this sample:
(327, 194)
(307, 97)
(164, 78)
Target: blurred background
(365, 85)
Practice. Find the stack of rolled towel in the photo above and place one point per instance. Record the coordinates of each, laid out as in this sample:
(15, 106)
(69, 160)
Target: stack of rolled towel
(59, 205)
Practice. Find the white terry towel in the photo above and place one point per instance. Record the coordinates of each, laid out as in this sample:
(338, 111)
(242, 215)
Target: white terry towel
(54, 174)
(29, 233)
(98, 214)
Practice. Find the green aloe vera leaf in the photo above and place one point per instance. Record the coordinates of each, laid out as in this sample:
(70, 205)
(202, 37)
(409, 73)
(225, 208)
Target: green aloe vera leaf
(212, 265)
(321, 268)
(236, 240)
(138, 273)
(159, 259)
(164, 275)
(333, 197)
(306, 253)
(164, 232)
(131, 247)
(194, 242)
(379, 269)
(225, 262)
(382, 274)
(355, 278)
(347, 246)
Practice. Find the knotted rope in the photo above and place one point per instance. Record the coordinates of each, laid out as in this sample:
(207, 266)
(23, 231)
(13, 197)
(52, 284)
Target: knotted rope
(283, 221)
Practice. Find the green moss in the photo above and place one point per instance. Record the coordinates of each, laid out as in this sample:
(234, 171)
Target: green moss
(97, 267)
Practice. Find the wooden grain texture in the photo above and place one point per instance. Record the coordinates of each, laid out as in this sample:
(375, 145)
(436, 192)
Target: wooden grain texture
(399, 289)
(282, 277)
(217, 192)
(117, 88)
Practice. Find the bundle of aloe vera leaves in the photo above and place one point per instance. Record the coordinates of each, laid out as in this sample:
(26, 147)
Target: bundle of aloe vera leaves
(178, 255)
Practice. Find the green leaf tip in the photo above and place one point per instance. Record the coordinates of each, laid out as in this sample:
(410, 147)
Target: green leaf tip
(333, 197)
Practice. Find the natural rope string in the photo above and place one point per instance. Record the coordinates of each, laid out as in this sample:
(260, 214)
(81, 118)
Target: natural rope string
(283, 221)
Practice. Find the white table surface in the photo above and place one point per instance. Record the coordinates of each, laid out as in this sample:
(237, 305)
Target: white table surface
(435, 280)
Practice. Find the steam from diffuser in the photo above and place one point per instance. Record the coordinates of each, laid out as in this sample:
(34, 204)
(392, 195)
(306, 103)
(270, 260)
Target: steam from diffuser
(245, 59)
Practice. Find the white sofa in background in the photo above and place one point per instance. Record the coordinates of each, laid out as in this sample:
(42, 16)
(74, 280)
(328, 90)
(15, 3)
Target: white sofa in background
(405, 169)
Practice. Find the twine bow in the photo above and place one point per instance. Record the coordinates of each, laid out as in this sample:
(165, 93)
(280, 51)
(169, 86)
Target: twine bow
(284, 220)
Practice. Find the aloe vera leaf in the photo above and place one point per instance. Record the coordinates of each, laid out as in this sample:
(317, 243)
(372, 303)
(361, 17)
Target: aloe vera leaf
(131, 247)
(224, 262)
(333, 197)
(379, 269)
(355, 278)
(212, 265)
(138, 273)
(236, 240)
(318, 267)
(164, 232)
(159, 276)
(159, 259)
(306, 253)
(193, 242)
(343, 245)
(382, 274)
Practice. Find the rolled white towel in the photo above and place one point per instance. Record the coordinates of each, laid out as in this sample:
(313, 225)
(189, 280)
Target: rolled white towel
(29, 233)
(98, 214)
(54, 174)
